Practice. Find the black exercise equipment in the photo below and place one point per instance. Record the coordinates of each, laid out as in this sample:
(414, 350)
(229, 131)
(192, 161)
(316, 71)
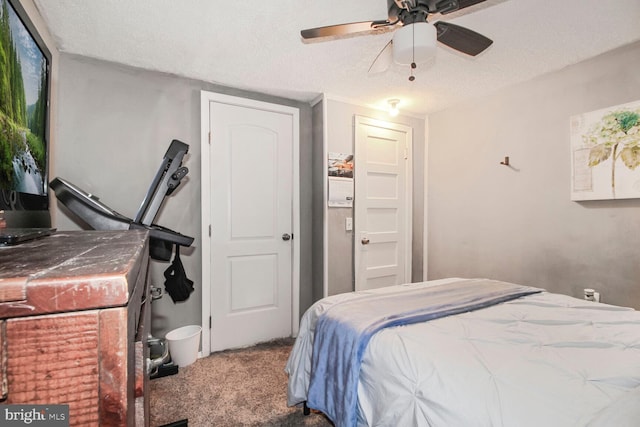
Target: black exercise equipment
(101, 217)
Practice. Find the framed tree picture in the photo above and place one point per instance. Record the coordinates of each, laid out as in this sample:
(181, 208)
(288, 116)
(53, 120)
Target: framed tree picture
(605, 153)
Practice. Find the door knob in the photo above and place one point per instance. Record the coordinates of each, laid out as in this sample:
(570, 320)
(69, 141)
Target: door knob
(286, 237)
(365, 241)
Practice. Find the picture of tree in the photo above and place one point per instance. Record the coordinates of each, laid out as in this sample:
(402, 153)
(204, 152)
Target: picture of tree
(617, 136)
(606, 153)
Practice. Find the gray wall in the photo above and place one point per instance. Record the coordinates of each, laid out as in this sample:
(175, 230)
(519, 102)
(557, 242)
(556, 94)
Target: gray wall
(340, 138)
(114, 125)
(518, 223)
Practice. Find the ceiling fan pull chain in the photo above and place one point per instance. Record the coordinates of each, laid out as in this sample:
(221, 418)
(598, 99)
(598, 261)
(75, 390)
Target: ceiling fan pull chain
(413, 53)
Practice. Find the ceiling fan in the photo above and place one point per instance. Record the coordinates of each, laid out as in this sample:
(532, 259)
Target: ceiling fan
(414, 40)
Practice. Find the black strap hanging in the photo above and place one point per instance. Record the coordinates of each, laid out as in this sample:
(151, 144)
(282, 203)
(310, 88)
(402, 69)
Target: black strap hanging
(177, 284)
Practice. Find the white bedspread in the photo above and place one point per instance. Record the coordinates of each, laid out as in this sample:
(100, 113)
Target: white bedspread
(541, 360)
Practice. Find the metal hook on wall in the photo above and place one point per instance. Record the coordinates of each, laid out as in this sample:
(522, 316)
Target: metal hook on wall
(505, 161)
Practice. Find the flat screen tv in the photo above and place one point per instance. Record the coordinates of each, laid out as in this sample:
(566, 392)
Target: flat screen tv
(24, 119)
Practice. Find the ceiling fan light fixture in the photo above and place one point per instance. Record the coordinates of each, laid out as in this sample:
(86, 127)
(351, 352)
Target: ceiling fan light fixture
(393, 107)
(414, 43)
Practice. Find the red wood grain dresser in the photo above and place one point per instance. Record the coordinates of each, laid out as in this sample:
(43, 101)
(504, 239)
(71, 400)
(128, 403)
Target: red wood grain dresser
(74, 320)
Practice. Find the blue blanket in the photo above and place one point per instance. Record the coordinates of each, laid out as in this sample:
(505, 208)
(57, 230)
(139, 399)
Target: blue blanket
(343, 332)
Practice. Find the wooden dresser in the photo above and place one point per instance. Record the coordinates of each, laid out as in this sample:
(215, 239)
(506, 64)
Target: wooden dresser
(74, 320)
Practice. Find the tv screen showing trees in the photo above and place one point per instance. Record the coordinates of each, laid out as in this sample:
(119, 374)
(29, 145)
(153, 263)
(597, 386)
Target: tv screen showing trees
(23, 107)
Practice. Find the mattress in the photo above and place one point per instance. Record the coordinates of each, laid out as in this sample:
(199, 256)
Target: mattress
(542, 359)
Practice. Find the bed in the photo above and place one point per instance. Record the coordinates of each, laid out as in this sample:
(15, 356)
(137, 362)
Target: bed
(417, 355)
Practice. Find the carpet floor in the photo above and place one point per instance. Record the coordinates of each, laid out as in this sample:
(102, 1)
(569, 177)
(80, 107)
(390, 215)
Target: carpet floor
(246, 387)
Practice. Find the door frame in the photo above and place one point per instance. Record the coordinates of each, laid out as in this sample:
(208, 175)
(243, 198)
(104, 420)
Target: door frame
(408, 188)
(205, 152)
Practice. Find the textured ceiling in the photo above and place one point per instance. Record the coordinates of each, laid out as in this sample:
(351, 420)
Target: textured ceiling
(256, 44)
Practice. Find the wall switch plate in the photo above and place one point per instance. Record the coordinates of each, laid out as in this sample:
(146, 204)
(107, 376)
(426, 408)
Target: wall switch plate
(348, 224)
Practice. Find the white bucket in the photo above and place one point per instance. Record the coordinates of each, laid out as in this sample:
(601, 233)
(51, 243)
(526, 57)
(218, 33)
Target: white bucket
(183, 344)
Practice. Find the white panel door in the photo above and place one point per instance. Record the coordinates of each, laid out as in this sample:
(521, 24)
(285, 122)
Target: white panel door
(382, 225)
(251, 225)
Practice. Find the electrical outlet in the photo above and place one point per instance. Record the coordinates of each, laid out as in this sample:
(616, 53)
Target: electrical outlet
(591, 295)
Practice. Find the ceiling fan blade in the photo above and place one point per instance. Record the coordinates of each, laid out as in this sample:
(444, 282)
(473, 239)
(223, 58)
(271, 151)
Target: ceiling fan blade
(462, 39)
(449, 6)
(465, 3)
(445, 6)
(343, 29)
(383, 60)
